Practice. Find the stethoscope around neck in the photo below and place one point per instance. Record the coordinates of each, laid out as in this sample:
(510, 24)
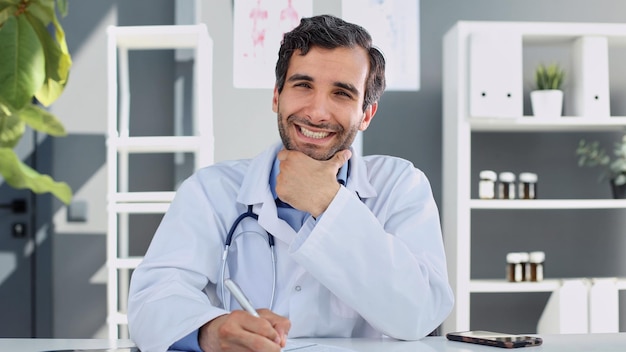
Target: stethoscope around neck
(270, 241)
(227, 243)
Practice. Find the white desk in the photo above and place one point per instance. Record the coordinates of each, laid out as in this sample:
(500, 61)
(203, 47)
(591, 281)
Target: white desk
(551, 343)
(39, 345)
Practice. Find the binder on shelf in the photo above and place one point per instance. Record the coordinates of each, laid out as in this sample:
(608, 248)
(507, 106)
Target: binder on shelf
(589, 78)
(495, 75)
(566, 311)
(603, 305)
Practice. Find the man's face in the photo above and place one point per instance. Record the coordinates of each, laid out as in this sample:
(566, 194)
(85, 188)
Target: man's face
(320, 109)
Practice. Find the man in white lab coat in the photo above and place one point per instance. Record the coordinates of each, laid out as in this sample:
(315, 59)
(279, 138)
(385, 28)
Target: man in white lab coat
(357, 240)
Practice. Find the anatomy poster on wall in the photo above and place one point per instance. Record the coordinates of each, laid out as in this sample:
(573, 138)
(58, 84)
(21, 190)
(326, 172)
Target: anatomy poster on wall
(259, 26)
(394, 26)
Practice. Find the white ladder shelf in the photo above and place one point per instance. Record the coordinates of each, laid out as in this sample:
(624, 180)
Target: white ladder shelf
(120, 202)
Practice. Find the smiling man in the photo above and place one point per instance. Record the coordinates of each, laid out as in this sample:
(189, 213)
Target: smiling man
(323, 242)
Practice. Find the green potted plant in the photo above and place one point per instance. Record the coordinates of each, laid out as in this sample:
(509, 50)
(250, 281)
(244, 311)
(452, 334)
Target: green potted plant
(592, 154)
(547, 98)
(34, 68)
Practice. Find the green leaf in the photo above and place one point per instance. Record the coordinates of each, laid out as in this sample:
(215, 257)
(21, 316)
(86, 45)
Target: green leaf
(42, 120)
(549, 77)
(57, 64)
(60, 35)
(9, 3)
(42, 10)
(62, 6)
(4, 109)
(5, 13)
(11, 129)
(21, 176)
(22, 62)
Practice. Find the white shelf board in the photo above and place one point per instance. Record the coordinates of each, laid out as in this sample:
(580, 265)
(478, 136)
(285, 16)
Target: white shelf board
(142, 197)
(139, 208)
(621, 284)
(548, 285)
(532, 124)
(118, 318)
(125, 263)
(549, 32)
(497, 204)
(156, 144)
(157, 37)
(499, 286)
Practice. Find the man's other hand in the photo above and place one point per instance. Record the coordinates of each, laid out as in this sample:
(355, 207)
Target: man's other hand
(240, 331)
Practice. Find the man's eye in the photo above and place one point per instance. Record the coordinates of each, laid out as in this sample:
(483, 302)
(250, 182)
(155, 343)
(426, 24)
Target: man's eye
(343, 93)
(303, 84)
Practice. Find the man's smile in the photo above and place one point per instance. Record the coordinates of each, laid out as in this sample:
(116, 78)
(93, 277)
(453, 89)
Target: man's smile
(312, 134)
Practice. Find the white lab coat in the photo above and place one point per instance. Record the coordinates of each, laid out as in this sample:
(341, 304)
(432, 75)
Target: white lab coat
(366, 267)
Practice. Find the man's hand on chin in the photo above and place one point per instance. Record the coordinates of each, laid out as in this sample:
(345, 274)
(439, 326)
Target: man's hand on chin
(308, 184)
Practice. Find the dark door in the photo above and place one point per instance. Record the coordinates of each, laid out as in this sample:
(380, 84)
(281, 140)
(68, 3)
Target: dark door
(17, 254)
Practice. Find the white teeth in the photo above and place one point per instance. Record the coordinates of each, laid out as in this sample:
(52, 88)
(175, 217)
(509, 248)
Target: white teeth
(311, 134)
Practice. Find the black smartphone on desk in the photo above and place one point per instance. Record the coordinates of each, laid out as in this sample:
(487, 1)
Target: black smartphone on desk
(496, 339)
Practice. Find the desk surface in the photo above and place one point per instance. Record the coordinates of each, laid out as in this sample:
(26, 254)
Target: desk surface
(551, 343)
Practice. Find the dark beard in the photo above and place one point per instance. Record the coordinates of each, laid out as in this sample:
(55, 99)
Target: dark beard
(312, 150)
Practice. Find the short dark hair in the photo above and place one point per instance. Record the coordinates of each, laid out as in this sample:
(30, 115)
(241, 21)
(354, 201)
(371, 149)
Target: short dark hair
(330, 32)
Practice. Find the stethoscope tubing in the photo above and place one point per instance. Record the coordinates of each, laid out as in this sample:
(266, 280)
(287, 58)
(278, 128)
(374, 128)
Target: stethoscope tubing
(227, 244)
(270, 241)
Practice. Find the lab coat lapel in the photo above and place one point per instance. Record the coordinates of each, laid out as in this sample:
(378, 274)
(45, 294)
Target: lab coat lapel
(358, 180)
(269, 220)
(255, 186)
(255, 190)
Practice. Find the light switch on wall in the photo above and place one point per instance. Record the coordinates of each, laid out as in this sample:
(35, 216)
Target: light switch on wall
(77, 211)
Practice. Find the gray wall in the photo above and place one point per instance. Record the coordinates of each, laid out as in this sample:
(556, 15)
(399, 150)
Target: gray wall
(408, 124)
(79, 248)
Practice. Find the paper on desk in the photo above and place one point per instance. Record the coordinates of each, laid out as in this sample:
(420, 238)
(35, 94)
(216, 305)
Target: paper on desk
(113, 349)
(291, 346)
(312, 347)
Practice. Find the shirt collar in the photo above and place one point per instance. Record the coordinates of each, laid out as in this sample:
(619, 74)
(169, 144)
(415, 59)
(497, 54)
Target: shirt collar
(257, 190)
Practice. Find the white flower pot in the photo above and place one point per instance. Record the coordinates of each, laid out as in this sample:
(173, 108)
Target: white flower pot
(547, 103)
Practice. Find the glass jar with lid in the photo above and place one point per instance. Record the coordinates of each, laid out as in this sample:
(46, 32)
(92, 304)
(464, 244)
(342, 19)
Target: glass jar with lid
(527, 185)
(487, 184)
(535, 266)
(506, 186)
(515, 264)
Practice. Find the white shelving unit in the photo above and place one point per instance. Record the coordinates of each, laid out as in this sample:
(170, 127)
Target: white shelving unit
(466, 48)
(120, 144)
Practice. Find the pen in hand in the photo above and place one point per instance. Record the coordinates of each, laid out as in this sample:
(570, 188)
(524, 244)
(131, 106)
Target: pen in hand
(244, 302)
